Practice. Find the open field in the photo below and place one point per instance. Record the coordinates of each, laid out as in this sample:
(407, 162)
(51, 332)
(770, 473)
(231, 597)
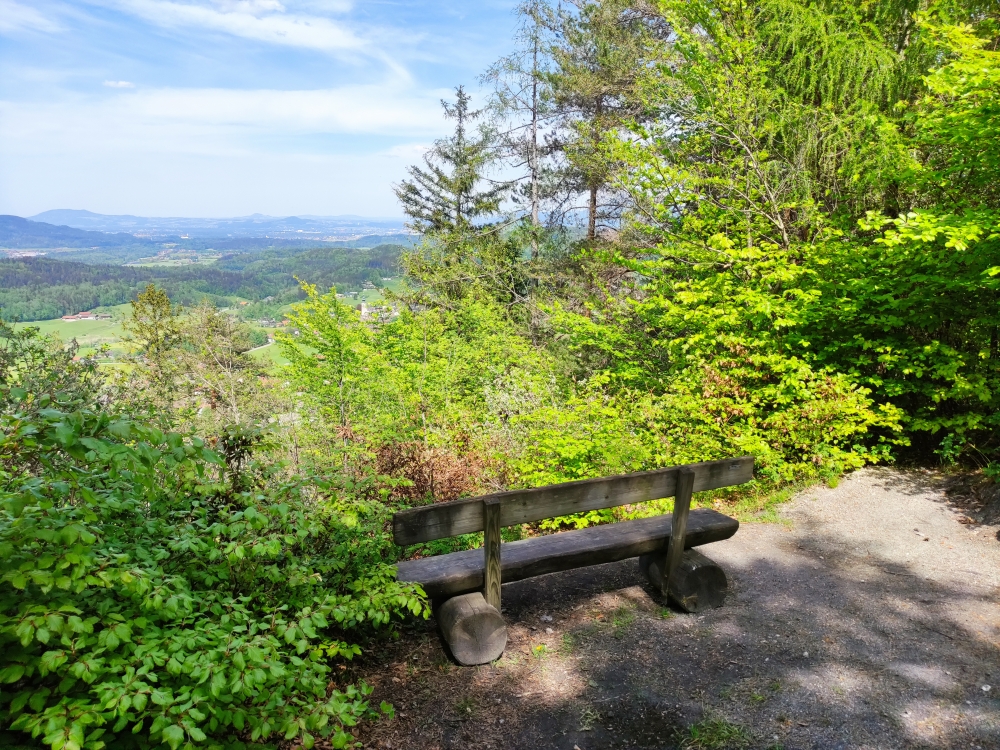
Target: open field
(92, 334)
(270, 353)
(176, 258)
(89, 334)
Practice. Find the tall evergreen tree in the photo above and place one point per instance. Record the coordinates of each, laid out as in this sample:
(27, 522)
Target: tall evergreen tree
(524, 107)
(452, 190)
(600, 57)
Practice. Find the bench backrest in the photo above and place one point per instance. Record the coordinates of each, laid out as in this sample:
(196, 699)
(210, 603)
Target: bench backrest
(466, 516)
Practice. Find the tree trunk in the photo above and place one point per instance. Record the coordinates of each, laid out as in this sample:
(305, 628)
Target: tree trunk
(592, 214)
(592, 207)
(534, 150)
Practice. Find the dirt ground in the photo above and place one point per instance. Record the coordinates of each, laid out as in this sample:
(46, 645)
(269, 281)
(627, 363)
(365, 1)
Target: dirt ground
(868, 618)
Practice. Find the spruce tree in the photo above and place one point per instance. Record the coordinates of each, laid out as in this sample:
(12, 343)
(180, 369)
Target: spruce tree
(451, 190)
(600, 57)
(525, 111)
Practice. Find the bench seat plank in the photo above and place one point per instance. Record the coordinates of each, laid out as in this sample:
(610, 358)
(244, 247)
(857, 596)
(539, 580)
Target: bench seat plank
(461, 572)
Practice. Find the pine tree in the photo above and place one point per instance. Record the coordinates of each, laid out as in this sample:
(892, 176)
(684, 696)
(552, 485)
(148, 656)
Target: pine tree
(154, 323)
(600, 58)
(446, 195)
(524, 106)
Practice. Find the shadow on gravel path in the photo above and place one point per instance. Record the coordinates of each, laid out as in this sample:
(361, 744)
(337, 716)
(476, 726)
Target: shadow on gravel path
(871, 619)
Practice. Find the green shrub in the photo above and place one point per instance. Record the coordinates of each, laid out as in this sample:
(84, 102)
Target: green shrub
(156, 593)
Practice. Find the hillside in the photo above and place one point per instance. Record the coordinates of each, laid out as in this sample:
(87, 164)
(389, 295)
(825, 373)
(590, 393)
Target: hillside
(16, 232)
(42, 288)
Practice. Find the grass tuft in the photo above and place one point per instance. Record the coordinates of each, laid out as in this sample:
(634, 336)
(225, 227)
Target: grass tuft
(621, 619)
(716, 734)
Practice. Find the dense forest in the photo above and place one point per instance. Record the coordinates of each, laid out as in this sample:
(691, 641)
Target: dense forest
(40, 288)
(131, 253)
(679, 231)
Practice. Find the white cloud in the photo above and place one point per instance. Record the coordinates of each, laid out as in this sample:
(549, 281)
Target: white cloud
(14, 17)
(260, 20)
(369, 109)
(324, 6)
(222, 121)
(119, 84)
(408, 152)
(203, 152)
(250, 6)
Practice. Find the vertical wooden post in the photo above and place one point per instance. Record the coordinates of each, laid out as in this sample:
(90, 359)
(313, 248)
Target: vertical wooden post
(491, 550)
(679, 521)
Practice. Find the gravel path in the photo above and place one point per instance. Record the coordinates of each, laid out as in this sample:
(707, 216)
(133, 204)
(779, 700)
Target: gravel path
(868, 618)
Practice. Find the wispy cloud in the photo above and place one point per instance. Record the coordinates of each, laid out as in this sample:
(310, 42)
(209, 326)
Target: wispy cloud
(280, 106)
(260, 20)
(218, 120)
(15, 17)
(410, 153)
(371, 109)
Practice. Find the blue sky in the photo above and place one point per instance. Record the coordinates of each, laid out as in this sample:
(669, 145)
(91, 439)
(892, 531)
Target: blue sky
(229, 107)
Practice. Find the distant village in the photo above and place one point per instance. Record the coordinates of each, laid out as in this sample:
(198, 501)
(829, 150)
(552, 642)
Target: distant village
(87, 316)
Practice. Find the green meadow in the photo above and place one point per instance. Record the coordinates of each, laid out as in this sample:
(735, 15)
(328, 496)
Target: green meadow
(89, 334)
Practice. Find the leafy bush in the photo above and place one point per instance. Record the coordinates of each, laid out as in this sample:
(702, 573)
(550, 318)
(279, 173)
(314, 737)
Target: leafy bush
(909, 307)
(446, 378)
(156, 592)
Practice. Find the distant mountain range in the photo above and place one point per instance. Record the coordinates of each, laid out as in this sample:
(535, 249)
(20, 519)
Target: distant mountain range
(16, 232)
(120, 239)
(257, 225)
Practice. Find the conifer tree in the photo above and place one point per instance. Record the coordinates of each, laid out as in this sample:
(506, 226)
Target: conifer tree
(600, 57)
(524, 106)
(154, 325)
(448, 193)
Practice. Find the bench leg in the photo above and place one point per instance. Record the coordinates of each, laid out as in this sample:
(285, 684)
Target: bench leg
(491, 552)
(678, 527)
(697, 583)
(474, 631)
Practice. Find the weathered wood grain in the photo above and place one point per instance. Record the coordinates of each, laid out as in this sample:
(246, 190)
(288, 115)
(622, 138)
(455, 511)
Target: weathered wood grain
(523, 506)
(459, 572)
(698, 582)
(682, 506)
(491, 551)
(473, 629)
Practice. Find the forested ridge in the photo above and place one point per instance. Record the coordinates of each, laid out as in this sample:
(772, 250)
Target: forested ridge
(39, 288)
(679, 231)
(23, 233)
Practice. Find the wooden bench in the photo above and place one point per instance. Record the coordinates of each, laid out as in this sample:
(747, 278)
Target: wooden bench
(466, 585)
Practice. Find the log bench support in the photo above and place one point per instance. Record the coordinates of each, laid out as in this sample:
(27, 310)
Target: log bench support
(696, 585)
(470, 620)
(474, 630)
(491, 552)
(686, 577)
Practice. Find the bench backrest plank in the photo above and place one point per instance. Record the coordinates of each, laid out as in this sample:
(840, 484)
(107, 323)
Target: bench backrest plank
(465, 516)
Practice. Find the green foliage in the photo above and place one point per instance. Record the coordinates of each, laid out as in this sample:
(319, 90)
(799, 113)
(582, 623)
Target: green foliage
(909, 308)
(955, 124)
(149, 600)
(153, 326)
(908, 339)
(716, 734)
(758, 300)
(440, 376)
